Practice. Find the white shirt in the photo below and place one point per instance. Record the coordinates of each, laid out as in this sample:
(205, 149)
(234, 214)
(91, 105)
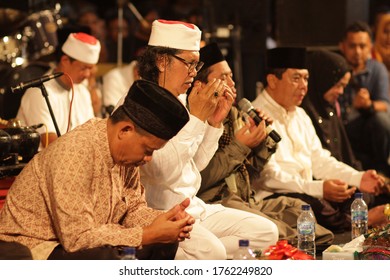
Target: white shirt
(33, 109)
(174, 172)
(117, 82)
(299, 156)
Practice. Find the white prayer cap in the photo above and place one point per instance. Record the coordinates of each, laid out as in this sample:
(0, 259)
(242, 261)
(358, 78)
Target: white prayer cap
(82, 47)
(175, 34)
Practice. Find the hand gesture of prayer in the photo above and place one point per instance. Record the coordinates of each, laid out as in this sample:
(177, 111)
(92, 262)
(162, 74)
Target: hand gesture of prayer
(251, 135)
(225, 101)
(371, 182)
(174, 225)
(203, 101)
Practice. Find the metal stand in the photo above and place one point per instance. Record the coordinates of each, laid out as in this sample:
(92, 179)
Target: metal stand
(46, 96)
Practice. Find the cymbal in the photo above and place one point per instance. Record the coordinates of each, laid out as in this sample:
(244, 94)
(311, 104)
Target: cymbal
(10, 19)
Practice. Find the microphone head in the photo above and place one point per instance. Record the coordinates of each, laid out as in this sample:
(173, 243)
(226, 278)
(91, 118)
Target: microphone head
(57, 74)
(244, 105)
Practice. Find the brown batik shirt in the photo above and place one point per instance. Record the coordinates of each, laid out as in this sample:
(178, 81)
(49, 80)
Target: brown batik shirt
(72, 194)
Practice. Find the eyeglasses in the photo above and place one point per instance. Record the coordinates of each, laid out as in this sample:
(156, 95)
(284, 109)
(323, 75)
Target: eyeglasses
(191, 65)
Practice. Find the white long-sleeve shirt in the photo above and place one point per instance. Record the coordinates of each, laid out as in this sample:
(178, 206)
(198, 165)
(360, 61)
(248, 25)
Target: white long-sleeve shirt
(299, 156)
(33, 109)
(116, 83)
(174, 172)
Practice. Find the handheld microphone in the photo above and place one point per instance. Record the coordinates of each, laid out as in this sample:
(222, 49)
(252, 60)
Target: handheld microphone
(245, 106)
(36, 82)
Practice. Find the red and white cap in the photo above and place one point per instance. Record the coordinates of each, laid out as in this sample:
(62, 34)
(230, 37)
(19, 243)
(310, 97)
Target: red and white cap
(82, 47)
(175, 34)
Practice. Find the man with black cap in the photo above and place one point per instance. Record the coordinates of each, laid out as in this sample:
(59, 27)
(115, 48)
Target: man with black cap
(300, 156)
(81, 198)
(244, 149)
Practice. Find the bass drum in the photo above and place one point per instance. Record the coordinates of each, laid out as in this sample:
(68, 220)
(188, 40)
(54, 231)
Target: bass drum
(41, 32)
(12, 76)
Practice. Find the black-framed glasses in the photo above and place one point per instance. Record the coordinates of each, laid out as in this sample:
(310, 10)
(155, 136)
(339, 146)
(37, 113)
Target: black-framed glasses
(190, 65)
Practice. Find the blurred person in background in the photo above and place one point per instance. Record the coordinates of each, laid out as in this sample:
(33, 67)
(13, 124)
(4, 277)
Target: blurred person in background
(76, 59)
(365, 103)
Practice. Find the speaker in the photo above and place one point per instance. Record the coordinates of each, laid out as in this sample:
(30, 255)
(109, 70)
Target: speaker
(305, 23)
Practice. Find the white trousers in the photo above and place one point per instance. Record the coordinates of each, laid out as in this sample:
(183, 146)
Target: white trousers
(216, 237)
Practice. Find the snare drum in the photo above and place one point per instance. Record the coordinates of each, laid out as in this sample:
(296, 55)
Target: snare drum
(41, 31)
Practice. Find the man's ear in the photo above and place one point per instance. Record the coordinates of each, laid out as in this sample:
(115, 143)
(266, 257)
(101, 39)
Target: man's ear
(162, 62)
(271, 80)
(65, 59)
(125, 129)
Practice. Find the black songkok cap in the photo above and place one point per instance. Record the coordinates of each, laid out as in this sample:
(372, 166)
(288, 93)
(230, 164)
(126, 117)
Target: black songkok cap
(210, 55)
(155, 109)
(286, 57)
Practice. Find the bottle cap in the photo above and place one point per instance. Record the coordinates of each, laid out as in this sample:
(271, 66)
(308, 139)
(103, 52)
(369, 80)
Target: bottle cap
(359, 195)
(129, 250)
(243, 243)
(305, 207)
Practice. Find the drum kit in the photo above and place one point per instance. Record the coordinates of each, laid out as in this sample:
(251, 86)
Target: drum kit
(33, 36)
(28, 34)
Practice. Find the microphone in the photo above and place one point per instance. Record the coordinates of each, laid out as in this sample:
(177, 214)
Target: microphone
(36, 82)
(246, 106)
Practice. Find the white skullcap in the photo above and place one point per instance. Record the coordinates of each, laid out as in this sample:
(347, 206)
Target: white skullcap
(175, 34)
(82, 47)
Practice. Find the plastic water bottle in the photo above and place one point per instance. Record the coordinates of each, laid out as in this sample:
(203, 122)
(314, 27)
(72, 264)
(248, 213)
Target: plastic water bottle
(128, 253)
(244, 252)
(306, 225)
(359, 216)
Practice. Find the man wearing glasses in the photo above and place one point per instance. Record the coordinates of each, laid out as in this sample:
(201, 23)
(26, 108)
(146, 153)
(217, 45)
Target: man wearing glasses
(172, 60)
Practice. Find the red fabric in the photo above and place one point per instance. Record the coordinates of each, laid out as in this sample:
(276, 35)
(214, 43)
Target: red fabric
(189, 25)
(3, 193)
(5, 184)
(85, 38)
(284, 251)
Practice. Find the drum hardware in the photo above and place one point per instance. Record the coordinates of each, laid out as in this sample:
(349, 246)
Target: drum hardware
(32, 38)
(41, 30)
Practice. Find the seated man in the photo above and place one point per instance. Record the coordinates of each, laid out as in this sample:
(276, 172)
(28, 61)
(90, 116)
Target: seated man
(81, 198)
(244, 148)
(301, 167)
(172, 61)
(77, 60)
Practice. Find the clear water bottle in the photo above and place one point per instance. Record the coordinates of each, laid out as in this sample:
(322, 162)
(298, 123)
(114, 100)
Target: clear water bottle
(359, 216)
(244, 252)
(306, 224)
(128, 253)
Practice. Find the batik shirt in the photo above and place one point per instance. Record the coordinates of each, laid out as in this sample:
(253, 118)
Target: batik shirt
(73, 194)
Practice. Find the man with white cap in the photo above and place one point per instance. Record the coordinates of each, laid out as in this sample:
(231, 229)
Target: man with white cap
(172, 60)
(68, 96)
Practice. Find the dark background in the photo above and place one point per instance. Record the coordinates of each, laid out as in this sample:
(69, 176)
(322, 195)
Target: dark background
(306, 23)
